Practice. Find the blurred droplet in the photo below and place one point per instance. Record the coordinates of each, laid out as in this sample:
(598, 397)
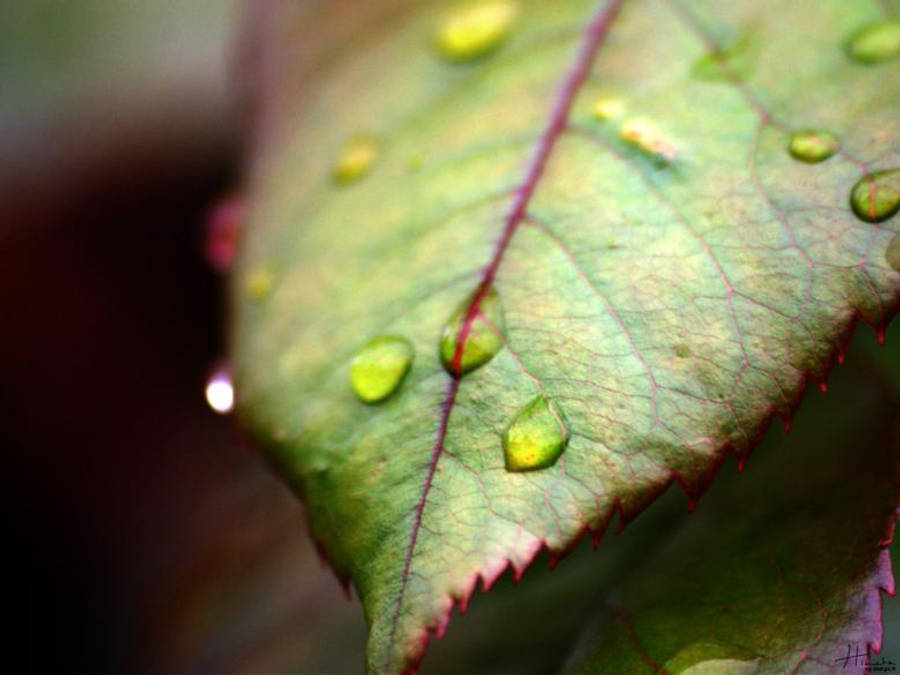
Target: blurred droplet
(220, 391)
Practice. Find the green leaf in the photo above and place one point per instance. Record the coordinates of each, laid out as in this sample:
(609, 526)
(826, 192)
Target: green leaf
(783, 568)
(667, 279)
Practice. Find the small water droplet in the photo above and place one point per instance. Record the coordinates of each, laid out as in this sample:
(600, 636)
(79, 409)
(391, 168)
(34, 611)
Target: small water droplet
(876, 196)
(475, 30)
(875, 42)
(742, 461)
(823, 387)
(646, 136)
(786, 422)
(536, 438)
(356, 159)
(892, 254)
(608, 107)
(879, 335)
(813, 146)
(259, 283)
(220, 391)
(482, 335)
(682, 351)
(379, 367)
(841, 355)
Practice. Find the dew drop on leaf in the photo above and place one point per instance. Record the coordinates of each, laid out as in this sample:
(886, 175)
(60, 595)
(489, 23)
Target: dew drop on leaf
(259, 283)
(892, 255)
(475, 30)
(379, 367)
(875, 42)
(356, 159)
(646, 136)
(608, 107)
(536, 438)
(813, 146)
(482, 335)
(876, 196)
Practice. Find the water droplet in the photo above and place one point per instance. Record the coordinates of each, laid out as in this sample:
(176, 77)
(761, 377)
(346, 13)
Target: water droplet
(220, 391)
(536, 438)
(813, 146)
(649, 138)
(823, 387)
(875, 42)
(475, 30)
(703, 658)
(892, 255)
(682, 351)
(356, 159)
(482, 335)
(259, 283)
(735, 60)
(608, 107)
(876, 196)
(379, 367)
(786, 423)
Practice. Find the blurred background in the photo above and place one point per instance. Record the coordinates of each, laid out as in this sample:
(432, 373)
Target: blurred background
(140, 517)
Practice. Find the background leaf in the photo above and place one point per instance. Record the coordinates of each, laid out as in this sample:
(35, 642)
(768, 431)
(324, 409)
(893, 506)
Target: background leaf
(669, 279)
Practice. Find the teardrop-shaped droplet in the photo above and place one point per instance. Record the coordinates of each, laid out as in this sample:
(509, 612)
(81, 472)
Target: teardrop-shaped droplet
(875, 42)
(356, 159)
(379, 367)
(475, 30)
(481, 335)
(813, 146)
(876, 196)
(536, 438)
(892, 255)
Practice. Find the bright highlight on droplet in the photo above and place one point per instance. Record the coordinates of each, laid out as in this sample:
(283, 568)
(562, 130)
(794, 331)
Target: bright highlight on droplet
(220, 392)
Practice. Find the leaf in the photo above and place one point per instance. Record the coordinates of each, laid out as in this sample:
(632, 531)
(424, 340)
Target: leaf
(783, 569)
(667, 281)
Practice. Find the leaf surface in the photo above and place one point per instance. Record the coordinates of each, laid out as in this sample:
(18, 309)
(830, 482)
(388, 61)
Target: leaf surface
(784, 570)
(668, 279)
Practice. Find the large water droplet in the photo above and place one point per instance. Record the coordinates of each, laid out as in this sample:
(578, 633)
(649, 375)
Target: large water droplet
(220, 391)
(876, 196)
(536, 438)
(475, 30)
(482, 335)
(356, 159)
(813, 145)
(875, 42)
(892, 255)
(379, 367)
